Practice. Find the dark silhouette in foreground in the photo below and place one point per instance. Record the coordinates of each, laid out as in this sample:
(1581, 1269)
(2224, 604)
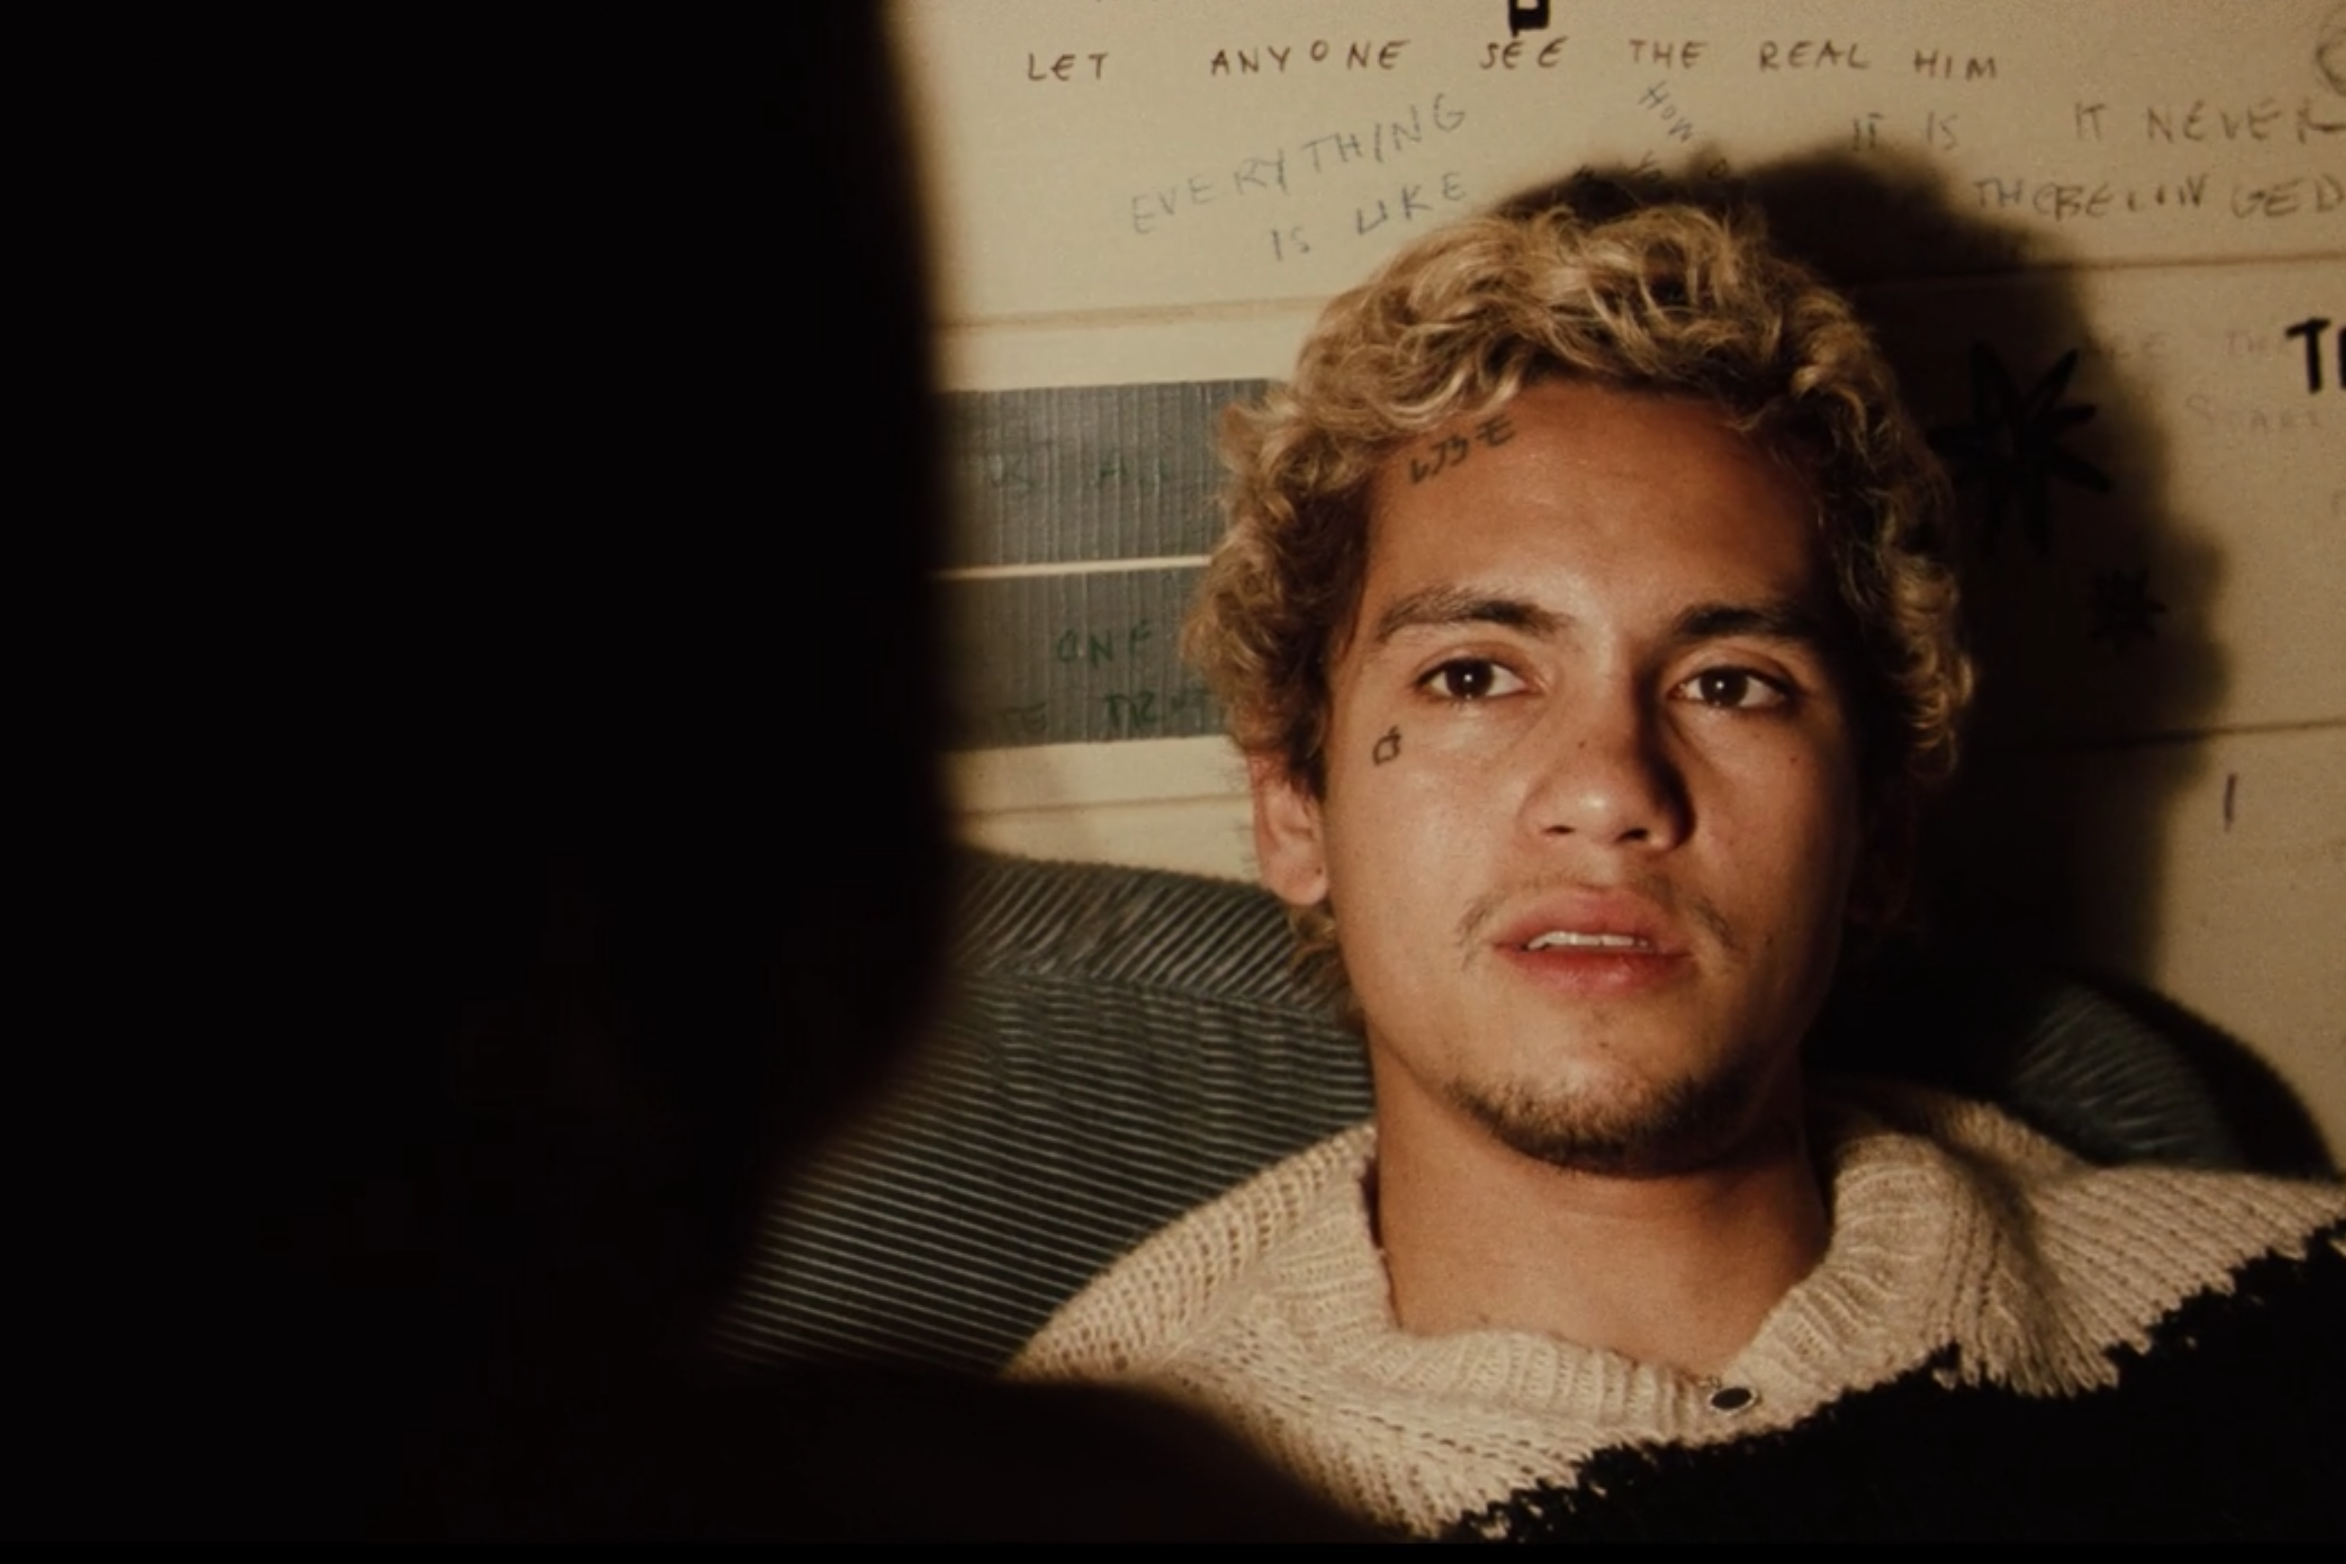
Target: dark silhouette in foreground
(513, 825)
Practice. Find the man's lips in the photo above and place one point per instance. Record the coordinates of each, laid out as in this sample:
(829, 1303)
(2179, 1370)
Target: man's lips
(1593, 944)
(1591, 922)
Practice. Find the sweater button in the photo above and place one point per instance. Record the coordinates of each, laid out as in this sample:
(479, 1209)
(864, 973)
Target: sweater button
(1731, 1399)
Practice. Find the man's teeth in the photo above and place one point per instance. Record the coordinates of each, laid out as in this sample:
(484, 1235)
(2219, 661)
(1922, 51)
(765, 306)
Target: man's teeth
(1589, 941)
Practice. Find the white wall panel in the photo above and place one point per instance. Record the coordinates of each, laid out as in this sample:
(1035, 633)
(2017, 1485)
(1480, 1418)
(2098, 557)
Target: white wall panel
(1097, 155)
(1133, 192)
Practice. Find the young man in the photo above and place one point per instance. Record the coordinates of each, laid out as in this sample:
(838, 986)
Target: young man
(1586, 621)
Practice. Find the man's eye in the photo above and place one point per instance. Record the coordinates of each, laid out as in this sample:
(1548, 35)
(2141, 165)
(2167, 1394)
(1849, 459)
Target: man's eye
(1737, 689)
(1470, 679)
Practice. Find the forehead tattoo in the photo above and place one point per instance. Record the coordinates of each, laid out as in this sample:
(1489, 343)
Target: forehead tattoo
(1439, 455)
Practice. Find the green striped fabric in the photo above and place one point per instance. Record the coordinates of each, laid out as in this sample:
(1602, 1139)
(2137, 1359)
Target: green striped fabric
(1120, 1045)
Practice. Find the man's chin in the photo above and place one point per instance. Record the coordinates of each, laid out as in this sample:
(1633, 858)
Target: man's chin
(1648, 1130)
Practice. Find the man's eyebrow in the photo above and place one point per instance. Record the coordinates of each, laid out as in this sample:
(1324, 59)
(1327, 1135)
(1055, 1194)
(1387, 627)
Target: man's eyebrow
(1776, 619)
(1455, 605)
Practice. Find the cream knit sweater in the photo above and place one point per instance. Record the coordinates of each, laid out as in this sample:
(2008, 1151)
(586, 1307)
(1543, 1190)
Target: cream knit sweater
(1953, 1228)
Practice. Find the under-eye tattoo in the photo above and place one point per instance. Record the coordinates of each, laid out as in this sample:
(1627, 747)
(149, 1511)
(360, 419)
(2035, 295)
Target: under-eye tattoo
(1388, 747)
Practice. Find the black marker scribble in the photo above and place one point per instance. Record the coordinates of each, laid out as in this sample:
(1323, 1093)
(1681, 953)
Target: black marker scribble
(2012, 446)
(1388, 747)
(1527, 16)
(2311, 329)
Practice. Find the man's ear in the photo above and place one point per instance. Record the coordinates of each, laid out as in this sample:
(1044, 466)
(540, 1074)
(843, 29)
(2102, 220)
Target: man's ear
(1287, 840)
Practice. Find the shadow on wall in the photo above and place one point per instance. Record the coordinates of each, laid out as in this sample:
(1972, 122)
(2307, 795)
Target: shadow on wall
(2085, 593)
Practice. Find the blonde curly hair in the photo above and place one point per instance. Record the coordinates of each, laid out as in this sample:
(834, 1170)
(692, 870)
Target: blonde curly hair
(1671, 299)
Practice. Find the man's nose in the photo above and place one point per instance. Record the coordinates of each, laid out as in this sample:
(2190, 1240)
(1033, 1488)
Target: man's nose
(1605, 773)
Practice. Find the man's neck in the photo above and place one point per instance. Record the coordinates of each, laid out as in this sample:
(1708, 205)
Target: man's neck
(1677, 1269)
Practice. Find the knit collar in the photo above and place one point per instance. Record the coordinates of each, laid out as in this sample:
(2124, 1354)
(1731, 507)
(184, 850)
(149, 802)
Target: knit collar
(1927, 1254)
(1962, 1242)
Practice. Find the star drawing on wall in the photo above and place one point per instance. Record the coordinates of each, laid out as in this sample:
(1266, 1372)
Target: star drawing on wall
(2012, 446)
(2123, 608)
